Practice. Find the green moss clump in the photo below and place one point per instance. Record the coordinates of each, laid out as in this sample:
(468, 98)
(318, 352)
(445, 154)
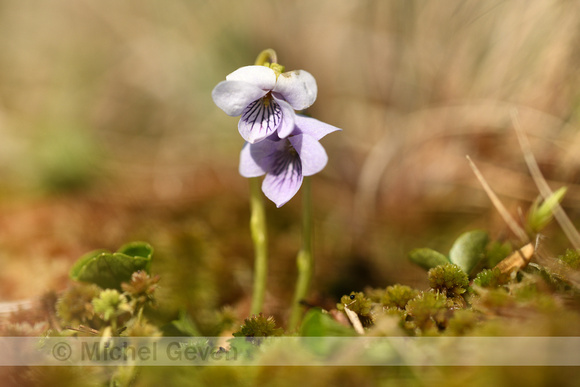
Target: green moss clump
(360, 304)
(110, 304)
(449, 280)
(374, 294)
(259, 326)
(463, 322)
(427, 312)
(74, 307)
(491, 278)
(493, 301)
(142, 328)
(141, 289)
(397, 296)
(571, 258)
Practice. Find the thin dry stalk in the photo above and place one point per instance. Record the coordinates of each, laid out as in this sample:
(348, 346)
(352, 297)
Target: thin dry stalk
(561, 217)
(504, 213)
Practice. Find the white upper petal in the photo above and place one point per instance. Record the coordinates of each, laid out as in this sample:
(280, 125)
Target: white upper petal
(233, 96)
(298, 88)
(261, 76)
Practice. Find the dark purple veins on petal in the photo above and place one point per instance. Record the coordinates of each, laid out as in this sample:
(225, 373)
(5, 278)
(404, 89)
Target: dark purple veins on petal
(287, 166)
(263, 114)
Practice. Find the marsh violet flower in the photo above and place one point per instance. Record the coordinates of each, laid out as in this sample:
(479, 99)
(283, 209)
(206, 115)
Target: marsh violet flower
(265, 98)
(285, 161)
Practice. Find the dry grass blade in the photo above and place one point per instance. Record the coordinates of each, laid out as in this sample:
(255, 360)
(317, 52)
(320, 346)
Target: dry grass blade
(518, 260)
(355, 321)
(545, 190)
(512, 224)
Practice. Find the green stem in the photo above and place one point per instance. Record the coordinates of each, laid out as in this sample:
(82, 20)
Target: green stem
(266, 56)
(305, 258)
(260, 239)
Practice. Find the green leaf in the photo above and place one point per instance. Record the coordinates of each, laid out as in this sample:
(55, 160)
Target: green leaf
(541, 214)
(185, 325)
(427, 258)
(108, 270)
(319, 324)
(469, 249)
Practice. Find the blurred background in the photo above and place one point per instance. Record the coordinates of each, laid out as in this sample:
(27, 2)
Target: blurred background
(108, 134)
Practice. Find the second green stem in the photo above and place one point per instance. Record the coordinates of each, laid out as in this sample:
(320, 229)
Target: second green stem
(305, 258)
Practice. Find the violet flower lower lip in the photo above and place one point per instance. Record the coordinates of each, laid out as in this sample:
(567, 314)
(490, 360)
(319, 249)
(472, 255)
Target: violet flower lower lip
(286, 161)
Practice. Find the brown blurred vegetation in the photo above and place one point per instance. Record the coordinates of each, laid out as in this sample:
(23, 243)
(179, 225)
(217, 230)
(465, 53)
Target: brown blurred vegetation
(109, 134)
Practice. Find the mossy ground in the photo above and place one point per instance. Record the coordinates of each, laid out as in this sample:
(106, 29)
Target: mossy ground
(109, 135)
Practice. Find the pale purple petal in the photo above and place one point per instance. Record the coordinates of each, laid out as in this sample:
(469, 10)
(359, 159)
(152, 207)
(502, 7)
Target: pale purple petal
(234, 96)
(260, 119)
(251, 159)
(287, 125)
(282, 183)
(313, 127)
(312, 155)
(298, 88)
(261, 76)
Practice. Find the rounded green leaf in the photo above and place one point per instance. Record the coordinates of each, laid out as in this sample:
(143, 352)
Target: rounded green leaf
(108, 270)
(427, 258)
(469, 249)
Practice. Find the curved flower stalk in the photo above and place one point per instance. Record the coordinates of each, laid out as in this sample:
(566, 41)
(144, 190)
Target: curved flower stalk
(265, 98)
(285, 161)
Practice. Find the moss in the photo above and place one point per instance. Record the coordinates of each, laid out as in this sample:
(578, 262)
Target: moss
(571, 258)
(360, 304)
(427, 312)
(141, 288)
(491, 278)
(493, 301)
(111, 304)
(462, 322)
(374, 294)
(397, 296)
(449, 280)
(74, 307)
(142, 328)
(258, 326)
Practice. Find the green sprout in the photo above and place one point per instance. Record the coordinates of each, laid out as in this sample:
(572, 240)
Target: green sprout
(540, 215)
